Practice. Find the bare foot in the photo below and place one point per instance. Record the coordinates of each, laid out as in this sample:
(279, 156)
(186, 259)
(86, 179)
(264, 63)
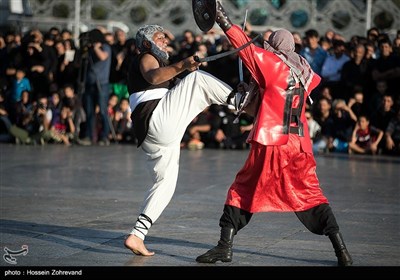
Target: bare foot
(136, 245)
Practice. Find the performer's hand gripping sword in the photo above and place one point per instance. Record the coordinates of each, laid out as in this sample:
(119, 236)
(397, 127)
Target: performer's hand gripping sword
(205, 12)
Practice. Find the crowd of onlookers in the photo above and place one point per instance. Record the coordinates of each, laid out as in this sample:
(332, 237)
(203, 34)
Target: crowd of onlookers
(45, 97)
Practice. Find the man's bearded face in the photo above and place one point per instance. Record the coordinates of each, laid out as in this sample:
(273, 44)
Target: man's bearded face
(159, 45)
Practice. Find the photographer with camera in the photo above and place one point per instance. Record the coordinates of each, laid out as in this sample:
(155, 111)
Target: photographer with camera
(33, 121)
(96, 86)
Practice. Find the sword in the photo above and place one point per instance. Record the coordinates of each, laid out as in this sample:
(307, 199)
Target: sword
(240, 60)
(220, 55)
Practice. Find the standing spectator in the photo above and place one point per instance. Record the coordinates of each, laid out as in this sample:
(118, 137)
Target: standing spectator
(21, 83)
(117, 76)
(268, 32)
(370, 50)
(71, 100)
(50, 54)
(38, 65)
(326, 44)
(12, 58)
(387, 66)
(298, 42)
(3, 56)
(97, 88)
(131, 52)
(188, 45)
(313, 52)
(228, 63)
(332, 69)
(372, 38)
(66, 34)
(354, 72)
(55, 33)
(67, 70)
(396, 44)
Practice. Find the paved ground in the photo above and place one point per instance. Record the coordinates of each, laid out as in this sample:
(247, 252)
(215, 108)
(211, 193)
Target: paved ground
(72, 206)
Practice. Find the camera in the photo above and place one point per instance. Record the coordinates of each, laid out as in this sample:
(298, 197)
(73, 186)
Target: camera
(41, 106)
(87, 39)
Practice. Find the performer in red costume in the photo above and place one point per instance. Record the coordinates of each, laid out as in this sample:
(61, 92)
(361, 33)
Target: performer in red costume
(280, 172)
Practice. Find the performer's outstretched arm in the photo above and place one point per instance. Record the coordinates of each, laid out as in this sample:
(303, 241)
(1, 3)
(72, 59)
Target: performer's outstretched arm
(238, 38)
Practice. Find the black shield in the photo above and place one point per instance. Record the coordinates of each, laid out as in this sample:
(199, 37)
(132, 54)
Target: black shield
(205, 13)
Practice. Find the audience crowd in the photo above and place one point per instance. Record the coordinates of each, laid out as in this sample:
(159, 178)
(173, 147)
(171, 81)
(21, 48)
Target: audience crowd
(47, 84)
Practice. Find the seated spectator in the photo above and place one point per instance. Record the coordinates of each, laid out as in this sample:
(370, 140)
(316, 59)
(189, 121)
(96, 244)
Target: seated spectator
(356, 102)
(122, 123)
(385, 112)
(55, 104)
(313, 126)
(376, 97)
(323, 93)
(197, 131)
(112, 105)
(62, 129)
(34, 125)
(246, 123)
(228, 130)
(392, 136)
(365, 138)
(343, 123)
(5, 123)
(323, 116)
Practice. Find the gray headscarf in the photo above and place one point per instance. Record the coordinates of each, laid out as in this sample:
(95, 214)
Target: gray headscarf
(281, 43)
(145, 33)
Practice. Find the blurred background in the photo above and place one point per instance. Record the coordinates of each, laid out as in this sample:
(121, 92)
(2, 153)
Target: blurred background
(347, 17)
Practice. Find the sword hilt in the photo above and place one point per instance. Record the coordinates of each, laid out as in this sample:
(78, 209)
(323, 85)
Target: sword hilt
(197, 58)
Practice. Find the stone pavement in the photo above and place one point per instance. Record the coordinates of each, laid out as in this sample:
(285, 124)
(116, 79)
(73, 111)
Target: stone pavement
(73, 206)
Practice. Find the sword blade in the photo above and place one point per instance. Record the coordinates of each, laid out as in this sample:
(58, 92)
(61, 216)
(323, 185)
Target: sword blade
(221, 55)
(240, 60)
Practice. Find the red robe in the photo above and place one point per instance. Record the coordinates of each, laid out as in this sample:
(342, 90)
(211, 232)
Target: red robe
(279, 173)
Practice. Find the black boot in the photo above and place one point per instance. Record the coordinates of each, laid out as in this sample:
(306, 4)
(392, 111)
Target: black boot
(222, 18)
(343, 256)
(221, 252)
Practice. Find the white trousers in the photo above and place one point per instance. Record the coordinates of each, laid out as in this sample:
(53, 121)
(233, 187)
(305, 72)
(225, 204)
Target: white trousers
(167, 126)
